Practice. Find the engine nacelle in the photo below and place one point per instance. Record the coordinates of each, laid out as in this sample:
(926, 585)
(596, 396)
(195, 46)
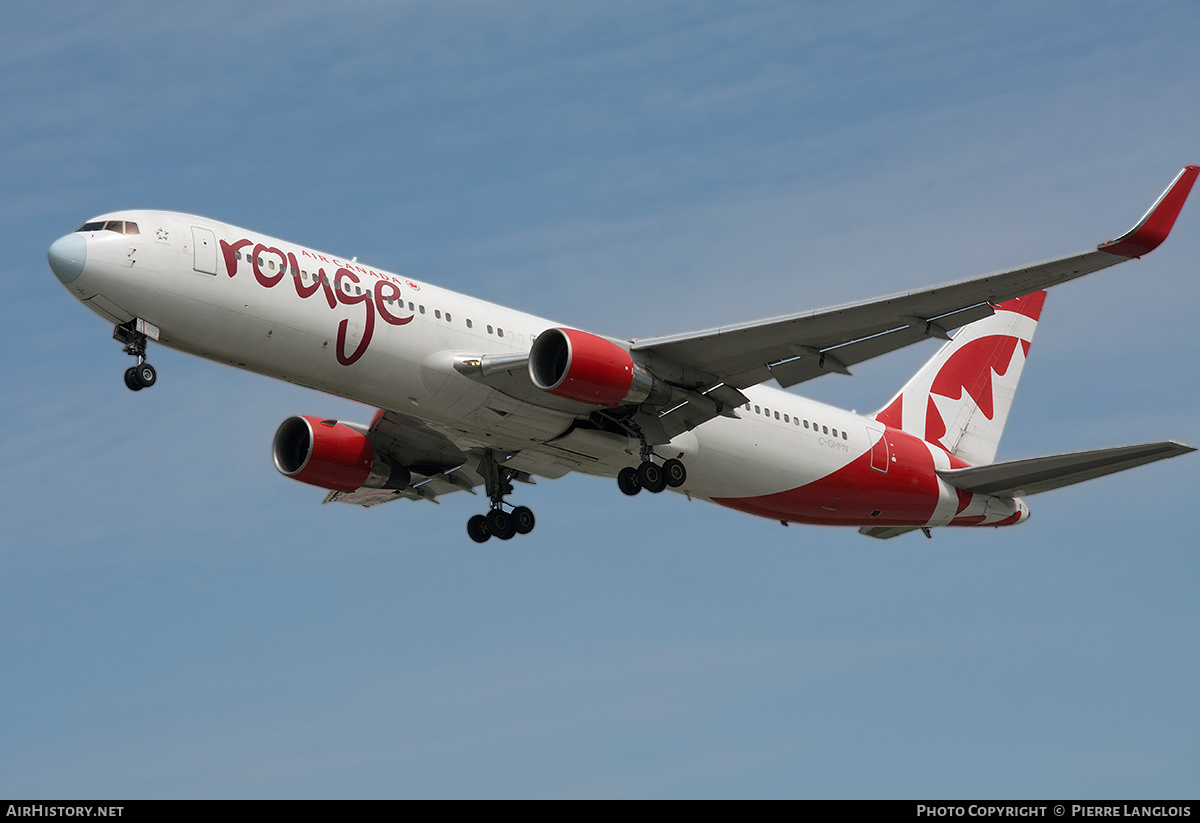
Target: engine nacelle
(580, 366)
(332, 455)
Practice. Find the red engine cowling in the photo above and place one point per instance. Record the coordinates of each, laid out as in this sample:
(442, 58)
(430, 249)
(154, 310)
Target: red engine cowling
(580, 366)
(332, 455)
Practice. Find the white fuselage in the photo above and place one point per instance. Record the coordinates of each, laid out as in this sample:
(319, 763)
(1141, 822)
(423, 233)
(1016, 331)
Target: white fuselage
(286, 311)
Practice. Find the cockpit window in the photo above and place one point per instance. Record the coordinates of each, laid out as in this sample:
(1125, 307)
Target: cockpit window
(119, 226)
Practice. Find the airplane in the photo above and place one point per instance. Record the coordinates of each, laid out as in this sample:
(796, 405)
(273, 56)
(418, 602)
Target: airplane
(472, 394)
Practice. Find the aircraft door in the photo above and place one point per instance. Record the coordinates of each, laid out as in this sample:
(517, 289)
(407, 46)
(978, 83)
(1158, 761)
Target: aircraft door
(879, 448)
(204, 245)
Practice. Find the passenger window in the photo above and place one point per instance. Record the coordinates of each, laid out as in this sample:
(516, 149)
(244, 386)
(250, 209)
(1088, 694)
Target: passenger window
(470, 325)
(490, 330)
(499, 332)
(766, 411)
(825, 430)
(843, 434)
(806, 424)
(410, 306)
(835, 432)
(757, 410)
(447, 317)
(422, 308)
(437, 313)
(776, 415)
(786, 420)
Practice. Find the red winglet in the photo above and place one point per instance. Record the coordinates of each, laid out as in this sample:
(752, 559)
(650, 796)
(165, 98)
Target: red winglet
(1156, 225)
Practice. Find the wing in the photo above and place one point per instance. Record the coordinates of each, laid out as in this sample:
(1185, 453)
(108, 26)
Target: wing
(799, 347)
(703, 373)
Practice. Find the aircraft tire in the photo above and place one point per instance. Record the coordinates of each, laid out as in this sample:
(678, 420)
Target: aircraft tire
(523, 519)
(675, 473)
(627, 481)
(477, 529)
(501, 524)
(145, 375)
(651, 477)
(131, 379)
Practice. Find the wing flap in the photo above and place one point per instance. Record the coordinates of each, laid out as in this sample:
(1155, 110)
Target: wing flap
(1021, 478)
(815, 362)
(428, 488)
(886, 532)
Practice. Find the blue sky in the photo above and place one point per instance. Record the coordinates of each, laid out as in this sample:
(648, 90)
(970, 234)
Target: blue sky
(178, 620)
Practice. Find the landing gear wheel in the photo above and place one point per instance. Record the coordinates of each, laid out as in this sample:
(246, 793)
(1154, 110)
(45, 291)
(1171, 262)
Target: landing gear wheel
(651, 477)
(522, 519)
(145, 375)
(141, 376)
(675, 473)
(500, 523)
(627, 480)
(477, 529)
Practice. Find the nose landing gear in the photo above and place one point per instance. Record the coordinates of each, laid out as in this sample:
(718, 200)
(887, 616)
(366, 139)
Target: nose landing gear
(143, 375)
(140, 377)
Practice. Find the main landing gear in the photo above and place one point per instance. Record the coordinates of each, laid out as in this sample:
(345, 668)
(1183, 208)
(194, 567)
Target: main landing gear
(143, 375)
(498, 522)
(650, 475)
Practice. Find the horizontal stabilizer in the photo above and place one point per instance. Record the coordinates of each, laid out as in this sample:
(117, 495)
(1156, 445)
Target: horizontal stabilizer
(1021, 478)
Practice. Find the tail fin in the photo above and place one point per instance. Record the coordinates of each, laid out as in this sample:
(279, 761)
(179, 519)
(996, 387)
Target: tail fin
(960, 399)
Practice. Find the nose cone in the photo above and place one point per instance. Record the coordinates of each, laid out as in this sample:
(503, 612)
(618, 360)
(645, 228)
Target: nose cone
(67, 256)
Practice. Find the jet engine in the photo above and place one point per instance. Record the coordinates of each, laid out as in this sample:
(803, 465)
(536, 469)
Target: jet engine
(580, 366)
(333, 455)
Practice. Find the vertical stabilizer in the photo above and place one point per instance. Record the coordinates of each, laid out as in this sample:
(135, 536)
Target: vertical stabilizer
(960, 399)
